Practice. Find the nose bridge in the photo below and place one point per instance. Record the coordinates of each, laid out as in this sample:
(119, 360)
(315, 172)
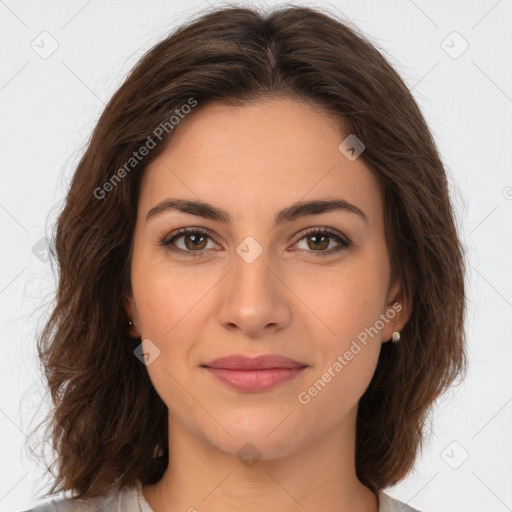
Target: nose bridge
(252, 299)
(251, 275)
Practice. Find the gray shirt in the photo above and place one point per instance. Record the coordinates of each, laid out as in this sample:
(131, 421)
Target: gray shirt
(131, 499)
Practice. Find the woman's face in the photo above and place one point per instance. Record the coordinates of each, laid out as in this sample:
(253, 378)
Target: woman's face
(254, 286)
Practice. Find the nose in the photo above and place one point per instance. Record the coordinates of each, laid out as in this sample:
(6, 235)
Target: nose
(254, 297)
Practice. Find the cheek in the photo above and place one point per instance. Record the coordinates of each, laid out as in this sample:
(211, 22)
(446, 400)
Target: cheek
(173, 305)
(343, 300)
(341, 385)
(166, 306)
(348, 302)
(346, 366)
(169, 296)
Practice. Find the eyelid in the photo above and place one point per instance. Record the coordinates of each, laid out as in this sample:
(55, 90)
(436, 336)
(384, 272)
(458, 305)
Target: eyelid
(188, 230)
(167, 241)
(323, 230)
(344, 243)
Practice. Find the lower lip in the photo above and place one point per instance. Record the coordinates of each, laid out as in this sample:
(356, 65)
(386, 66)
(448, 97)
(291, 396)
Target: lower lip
(255, 380)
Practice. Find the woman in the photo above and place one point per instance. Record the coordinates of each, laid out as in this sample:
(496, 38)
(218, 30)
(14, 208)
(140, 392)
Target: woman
(261, 285)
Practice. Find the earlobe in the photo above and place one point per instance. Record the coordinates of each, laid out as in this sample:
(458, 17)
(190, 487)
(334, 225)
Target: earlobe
(395, 337)
(397, 312)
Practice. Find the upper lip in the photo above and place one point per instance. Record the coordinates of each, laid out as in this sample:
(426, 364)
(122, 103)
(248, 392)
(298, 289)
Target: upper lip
(264, 362)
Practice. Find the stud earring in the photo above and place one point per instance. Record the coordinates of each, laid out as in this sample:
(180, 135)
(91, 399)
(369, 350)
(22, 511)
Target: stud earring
(395, 337)
(130, 323)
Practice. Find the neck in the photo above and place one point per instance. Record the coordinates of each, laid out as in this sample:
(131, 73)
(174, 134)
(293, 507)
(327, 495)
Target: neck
(317, 477)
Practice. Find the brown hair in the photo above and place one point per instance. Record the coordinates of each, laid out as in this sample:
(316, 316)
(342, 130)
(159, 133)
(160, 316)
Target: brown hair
(108, 424)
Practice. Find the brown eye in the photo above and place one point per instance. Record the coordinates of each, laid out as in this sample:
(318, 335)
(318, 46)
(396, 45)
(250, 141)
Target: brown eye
(188, 242)
(319, 240)
(194, 241)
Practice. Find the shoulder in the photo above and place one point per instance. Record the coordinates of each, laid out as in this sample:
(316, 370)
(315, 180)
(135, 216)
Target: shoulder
(389, 504)
(123, 500)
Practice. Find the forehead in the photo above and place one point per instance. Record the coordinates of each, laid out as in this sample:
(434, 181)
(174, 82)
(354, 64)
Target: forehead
(255, 159)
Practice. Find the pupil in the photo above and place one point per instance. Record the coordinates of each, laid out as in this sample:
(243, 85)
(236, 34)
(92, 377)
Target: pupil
(323, 237)
(196, 240)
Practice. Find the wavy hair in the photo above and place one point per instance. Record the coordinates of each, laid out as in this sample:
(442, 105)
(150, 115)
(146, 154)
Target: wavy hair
(108, 426)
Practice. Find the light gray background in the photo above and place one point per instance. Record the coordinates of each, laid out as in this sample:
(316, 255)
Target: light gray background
(50, 105)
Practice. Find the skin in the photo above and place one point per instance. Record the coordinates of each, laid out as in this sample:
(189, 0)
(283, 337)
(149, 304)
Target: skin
(252, 161)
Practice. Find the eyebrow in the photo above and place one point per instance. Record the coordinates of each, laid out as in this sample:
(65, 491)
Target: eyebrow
(288, 214)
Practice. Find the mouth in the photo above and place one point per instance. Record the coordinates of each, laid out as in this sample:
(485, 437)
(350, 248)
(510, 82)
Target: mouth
(254, 374)
(255, 380)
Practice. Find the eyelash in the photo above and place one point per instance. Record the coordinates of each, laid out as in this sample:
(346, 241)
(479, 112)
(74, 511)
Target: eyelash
(344, 243)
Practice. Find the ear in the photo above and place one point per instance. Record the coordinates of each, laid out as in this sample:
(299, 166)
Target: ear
(396, 312)
(131, 311)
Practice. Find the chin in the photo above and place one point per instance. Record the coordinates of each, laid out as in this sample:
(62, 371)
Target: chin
(257, 439)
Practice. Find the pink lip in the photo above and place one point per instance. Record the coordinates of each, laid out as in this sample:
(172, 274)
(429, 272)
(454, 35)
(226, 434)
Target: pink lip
(254, 373)
(254, 380)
